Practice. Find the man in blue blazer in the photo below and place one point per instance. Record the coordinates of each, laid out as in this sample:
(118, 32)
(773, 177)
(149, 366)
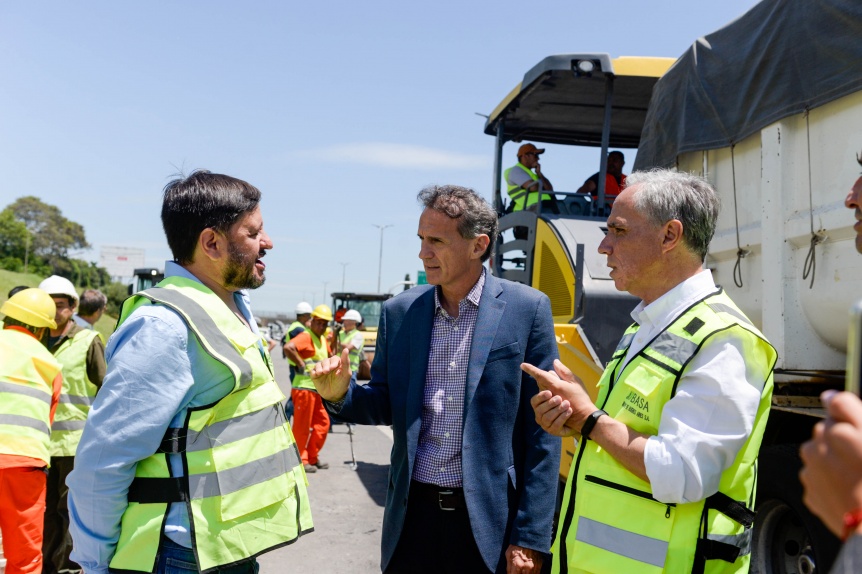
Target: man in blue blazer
(473, 478)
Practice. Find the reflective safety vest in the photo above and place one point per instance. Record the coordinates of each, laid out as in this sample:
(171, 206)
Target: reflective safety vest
(244, 487)
(610, 521)
(321, 352)
(77, 396)
(344, 338)
(518, 193)
(290, 329)
(27, 373)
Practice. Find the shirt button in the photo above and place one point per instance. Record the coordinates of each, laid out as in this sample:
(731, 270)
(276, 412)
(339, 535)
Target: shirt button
(452, 364)
(446, 435)
(455, 328)
(448, 398)
(442, 469)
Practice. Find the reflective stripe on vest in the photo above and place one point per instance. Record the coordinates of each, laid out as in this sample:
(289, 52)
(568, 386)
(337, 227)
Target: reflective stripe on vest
(245, 491)
(517, 193)
(77, 395)
(303, 380)
(345, 338)
(27, 373)
(624, 528)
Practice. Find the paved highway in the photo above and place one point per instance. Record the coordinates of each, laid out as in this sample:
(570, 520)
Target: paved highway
(346, 505)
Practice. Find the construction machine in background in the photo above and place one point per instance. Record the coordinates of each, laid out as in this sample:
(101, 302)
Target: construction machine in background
(586, 99)
(769, 109)
(370, 306)
(144, 278)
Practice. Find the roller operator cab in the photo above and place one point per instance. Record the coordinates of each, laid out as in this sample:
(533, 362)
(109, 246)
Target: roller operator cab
(370, 307)
(581, 101)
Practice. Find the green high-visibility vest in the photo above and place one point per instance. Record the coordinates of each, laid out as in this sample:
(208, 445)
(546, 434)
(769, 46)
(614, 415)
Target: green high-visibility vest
(290, 329)
(303, 380)
(27, 373)
(77, 396)
(344, 338)
(609, 520)
(517, 193)
(245, 489)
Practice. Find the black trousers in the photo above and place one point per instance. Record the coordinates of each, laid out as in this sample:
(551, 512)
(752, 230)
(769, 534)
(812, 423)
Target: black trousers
(433, 539)
(57, 542)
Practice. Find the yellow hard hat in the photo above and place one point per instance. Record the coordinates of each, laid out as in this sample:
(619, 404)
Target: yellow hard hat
(322, 312)
(31, 306)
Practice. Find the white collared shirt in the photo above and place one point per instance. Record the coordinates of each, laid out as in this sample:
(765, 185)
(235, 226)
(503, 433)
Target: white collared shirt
(704, 426)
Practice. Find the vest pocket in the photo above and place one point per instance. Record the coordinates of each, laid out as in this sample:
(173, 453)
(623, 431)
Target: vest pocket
(620, 528)
(638, 393)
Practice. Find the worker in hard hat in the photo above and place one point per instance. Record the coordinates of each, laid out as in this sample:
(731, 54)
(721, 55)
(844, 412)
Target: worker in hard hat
(351, 338)
(310, 420)
(81, 352)
(303, 317)
(30, 387)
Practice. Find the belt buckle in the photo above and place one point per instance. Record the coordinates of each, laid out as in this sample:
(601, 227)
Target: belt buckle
(440, 495)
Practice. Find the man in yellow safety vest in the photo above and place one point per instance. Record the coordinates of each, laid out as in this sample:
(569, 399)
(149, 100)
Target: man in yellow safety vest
(30, 386)
(187, 462)
(82, 354)
(664, 474)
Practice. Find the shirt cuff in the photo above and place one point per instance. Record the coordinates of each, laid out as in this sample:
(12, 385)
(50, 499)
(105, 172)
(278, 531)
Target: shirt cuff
(334, 406)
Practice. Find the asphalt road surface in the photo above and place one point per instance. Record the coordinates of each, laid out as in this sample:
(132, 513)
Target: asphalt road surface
(346, 504)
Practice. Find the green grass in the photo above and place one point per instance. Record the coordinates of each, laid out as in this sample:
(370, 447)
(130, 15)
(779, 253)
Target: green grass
(10, 279)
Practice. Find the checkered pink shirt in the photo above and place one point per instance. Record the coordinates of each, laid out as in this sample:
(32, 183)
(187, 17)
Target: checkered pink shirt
(438, 457)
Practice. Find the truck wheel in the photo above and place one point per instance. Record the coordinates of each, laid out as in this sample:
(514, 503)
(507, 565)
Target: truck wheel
(787, 538)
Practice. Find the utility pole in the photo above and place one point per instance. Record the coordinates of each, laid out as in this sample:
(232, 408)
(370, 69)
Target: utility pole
(380, 261)
(324, 291)
(343, 271)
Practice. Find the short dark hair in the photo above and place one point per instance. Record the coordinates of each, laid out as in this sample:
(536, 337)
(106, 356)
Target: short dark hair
(475, 216)
(92, 300)
(10, 322)
(619, 153)
(199, 201)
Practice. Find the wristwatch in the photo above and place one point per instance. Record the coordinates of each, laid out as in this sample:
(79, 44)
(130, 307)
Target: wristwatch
(590, 423)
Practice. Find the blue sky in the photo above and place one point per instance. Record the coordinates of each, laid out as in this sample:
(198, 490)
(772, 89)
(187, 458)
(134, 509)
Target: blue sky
(340, 112)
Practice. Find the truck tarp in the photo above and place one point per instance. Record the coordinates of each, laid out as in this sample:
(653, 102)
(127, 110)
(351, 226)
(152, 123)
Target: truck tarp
(788, 56)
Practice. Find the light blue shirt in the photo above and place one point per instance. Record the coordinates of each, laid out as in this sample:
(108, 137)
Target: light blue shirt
(156, 372)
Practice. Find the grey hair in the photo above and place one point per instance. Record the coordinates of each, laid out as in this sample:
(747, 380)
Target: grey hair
(475, 216)
(663, 195)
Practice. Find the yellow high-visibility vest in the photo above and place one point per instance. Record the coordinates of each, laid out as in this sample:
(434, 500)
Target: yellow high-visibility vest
(77, 396)
(610, 521)
(27, 373)
(245, 490)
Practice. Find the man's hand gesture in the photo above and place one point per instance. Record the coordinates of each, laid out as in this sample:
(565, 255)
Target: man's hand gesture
(563, 404)
(331, 377)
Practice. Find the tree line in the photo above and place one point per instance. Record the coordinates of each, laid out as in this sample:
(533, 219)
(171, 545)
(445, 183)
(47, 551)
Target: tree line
(36, 238)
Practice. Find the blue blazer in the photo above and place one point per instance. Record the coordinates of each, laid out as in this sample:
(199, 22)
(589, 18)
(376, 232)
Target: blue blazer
(510, 465)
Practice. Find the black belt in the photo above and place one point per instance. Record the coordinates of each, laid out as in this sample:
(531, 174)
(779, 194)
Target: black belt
(444, 497)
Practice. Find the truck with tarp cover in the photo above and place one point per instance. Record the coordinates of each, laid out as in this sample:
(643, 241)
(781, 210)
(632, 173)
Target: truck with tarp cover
(769, 109)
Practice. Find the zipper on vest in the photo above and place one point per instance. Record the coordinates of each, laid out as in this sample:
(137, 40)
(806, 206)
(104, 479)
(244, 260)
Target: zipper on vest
(628, 490)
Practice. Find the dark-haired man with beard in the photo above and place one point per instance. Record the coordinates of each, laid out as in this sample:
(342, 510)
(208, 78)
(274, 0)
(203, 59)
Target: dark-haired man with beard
(187, 461)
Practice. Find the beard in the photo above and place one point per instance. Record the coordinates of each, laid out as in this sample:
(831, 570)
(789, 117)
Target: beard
(239, 273)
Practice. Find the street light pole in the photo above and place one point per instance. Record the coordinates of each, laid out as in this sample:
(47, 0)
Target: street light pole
(343, 271)
(380, 261)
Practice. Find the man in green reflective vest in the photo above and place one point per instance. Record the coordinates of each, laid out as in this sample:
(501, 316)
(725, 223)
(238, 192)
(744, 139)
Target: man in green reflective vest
(82, 354)
(524, 178)
(664, 475)
(187, 462)
(351, 339)
(30, 387)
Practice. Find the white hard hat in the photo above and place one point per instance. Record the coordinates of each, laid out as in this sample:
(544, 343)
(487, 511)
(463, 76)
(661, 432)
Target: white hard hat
(352, 315)
(303, 308)
(56, 285)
